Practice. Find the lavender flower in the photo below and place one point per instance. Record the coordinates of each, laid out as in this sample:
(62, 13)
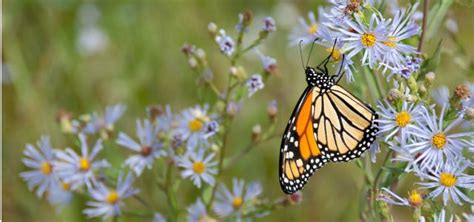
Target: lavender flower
(42, 163)
(198, 167)
(254, 83)
(107, 202)
(225, 42)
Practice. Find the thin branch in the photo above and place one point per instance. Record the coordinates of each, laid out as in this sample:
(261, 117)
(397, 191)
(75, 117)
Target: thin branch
(426, 6)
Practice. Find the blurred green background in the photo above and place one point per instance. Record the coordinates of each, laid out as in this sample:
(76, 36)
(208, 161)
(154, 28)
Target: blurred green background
(135, 59)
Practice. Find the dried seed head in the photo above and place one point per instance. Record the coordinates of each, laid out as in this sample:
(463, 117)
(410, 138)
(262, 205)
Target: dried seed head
(462, 92)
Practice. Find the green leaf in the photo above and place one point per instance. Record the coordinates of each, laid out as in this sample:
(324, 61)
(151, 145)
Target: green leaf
(436, 16)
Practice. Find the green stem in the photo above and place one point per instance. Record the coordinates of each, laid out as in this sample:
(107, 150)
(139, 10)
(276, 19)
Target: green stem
(173, 216)
(379, 173)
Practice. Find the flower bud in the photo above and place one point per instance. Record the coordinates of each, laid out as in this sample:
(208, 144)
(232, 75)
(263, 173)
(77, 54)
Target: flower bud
(192, 62)
(247, 17)
(256, 132)
(462, 92)
(212, 29)
(469, 113)
(154, 111)
(232, 109)
(200, 53)
(64, 119)
(411, 98)
(430, 76)
(394, 94)
(272, 110)
(187, 49)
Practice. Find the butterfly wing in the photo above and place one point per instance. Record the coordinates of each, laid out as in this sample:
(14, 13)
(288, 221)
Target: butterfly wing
(345, 125)
(300, 156)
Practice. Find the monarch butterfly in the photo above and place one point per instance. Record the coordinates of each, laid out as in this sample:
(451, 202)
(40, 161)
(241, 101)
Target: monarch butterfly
(327, 124)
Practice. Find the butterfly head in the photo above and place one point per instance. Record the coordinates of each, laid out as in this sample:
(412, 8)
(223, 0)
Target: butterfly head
(318, 78)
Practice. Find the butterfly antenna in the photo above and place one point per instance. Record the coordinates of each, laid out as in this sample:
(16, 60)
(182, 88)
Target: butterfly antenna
(301, 54)
(311, 50)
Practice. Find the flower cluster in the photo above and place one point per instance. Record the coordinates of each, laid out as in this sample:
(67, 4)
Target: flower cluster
(188, 144)
(363, 34)
(432, 142)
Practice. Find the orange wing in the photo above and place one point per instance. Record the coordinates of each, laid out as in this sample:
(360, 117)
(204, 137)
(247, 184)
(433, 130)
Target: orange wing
(300, 156)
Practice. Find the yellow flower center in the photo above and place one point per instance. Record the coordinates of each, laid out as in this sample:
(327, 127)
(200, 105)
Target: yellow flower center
(66, 186)
(237, 202)
(402, 119)
(195, 125)
(312, 29)
(336, 53)
(439, 140)
(447, 179)
(368, 39)
(112, 197)
(391, 42)
(199, 167)
(46, 168)
(84, 164)
(415, 199)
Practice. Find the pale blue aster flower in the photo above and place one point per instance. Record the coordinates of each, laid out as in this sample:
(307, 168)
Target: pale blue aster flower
(145, 151)
(414, 199)
(402, 154)
(192, 126)
(433, 141)
(327, 39)
(107, 202)
(343, 10)
(447, 180)
(369, 39)
(79, 169)
(163, 119)
(60, 194)
(158, 217)
(441, 95)
(197, 167)
(237, 201)
(197, 212)
(254, 84)
(305, 32)
(397, 123)
(42, 163)
(225, 42)
(104, 123)
(401, 27)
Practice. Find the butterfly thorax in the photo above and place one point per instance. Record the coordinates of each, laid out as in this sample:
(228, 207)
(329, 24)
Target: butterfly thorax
(318, 78)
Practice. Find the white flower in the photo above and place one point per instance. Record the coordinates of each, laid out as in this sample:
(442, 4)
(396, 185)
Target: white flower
(198, 167)
(305, 31)
(335, 46)
(433, 140)
(197, 212)
(42, 163)
(369, 38)
(414, 198)
(254, 83)
(447, 179)
(104, 123)
(192, 127)
(401, 27)
(225, 42)
(107, 202)
(146, 150)
(60, 194)
(239, 200)
(400, 123)
(78, 170)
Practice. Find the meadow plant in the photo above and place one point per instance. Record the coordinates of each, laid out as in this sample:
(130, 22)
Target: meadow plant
(426, 137)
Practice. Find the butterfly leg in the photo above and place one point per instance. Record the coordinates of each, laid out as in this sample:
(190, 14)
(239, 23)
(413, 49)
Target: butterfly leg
(340, 73)
(326, 61)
